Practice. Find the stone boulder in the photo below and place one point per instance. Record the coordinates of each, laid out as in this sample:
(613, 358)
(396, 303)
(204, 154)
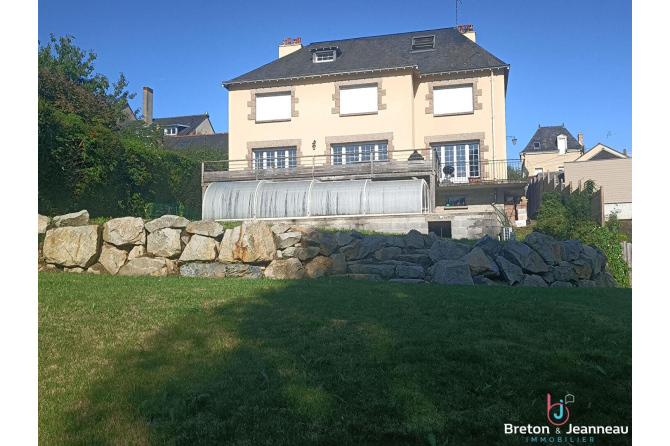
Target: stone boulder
(288, 239)
(200, 249)
(572, 249)
(301, 253)
(384, 271)
(548, 248)
(125, 231)
(387, 253)
(510, 272)
(137, 251)
(524, 257)
(328, 244)
(167, 221)
(353, 251)
(42, 223)
(410, 272)
(414, 239)
(342, 238)
(395, 241)
(446, 250)
(452, 272)
(164, 242)
(75, 246)
(144, 266)
(209, 228)
(311, 236)
(112, 258)
(559, 284)
(80, 218)
(480, 263)
(281, 228)
(489, 245)
(421, 259)
(605, 280)
(339, 265)
(319, 267)
(533, 281)
(285, 269)
(220, 270)
(253, 242)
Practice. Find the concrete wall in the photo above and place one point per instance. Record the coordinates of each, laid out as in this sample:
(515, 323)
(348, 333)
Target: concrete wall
(394, 224)
(624, 211)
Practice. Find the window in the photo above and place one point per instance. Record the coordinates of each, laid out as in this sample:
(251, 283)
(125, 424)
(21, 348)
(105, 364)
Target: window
(458, 162)
(279, 158)
(452, 100)
(359, 153)
(561, 169)
(536, 145)
(423, 43)
(538, 170)
(358, 99)
(171, 131)
(324, 56)
(273, 107)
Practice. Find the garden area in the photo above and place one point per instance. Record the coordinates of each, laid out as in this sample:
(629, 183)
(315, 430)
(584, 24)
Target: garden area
(174, 360)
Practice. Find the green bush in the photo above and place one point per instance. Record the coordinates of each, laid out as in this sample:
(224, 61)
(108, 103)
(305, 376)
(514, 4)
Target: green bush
(569, 217)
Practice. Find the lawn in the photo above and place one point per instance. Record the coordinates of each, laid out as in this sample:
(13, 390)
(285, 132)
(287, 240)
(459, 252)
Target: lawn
(172, 360)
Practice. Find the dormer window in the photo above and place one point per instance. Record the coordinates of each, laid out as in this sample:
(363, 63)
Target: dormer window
(423, 43)
(536, 145)
(171, 131)
(321, 55)
(324, 56)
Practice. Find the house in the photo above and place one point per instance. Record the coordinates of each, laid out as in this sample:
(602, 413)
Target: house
(178, 125)
(417, 106)
(610, 170)
(549, 149)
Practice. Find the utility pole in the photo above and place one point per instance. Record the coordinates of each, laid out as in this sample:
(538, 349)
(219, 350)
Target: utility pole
(457, 2)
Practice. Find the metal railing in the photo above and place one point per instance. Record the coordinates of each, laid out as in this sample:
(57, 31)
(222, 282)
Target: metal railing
(501, 171)
(380, 164)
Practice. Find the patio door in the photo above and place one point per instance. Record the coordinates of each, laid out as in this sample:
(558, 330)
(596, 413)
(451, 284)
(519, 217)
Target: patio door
(461, 161)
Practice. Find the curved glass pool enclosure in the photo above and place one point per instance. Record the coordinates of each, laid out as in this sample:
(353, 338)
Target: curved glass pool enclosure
(294, 199)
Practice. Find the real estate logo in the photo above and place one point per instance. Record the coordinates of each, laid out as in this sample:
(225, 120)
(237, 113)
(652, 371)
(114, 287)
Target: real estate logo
(558, 413)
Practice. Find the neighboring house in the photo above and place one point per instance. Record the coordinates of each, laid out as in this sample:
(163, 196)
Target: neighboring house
(610, 170)
(397, 103)
(178, 125)
(549, 149)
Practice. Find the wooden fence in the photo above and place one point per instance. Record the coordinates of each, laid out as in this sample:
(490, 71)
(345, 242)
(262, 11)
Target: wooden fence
(550, 182)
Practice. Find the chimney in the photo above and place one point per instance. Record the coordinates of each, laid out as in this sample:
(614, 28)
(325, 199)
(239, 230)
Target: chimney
(624, 152)
(580, 138)
(148, 105)
(289, 45)
(468, 31)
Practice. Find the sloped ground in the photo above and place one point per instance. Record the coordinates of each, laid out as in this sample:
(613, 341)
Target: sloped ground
(173, 360)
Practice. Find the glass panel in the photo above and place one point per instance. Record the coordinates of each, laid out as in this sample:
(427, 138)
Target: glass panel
(474, 160)
(337, 155)
(292, 158)
(382, 151)
(352, 154)
(281, 159)
(366, 150)
(460, 161)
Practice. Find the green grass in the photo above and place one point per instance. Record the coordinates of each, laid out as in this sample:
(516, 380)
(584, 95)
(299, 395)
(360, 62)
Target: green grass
(148, 360)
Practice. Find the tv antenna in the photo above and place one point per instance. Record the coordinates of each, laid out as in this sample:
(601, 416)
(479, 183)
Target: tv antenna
(457, 2)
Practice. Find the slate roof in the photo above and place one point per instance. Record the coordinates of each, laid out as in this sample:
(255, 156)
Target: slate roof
(546, 136)
(214, 140)
(187, 124)
(453, 52)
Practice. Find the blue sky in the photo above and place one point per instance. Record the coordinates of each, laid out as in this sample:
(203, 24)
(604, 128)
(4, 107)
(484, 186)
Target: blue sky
(571, 60)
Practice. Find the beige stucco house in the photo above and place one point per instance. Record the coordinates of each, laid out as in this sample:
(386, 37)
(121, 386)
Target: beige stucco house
(549, 149)
(378, 99)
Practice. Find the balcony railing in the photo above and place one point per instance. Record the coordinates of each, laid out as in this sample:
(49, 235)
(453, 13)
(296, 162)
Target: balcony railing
(481, 171)
(387, 164)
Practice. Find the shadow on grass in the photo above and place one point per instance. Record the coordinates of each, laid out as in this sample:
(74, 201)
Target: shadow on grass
(339, 362)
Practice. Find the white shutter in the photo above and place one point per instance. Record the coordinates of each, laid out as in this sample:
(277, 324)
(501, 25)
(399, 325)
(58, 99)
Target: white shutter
(273, 107)
(358, 99)
(452, 100)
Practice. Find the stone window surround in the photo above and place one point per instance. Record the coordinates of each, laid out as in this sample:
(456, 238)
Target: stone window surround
(358, 82)
(457, 138)
(476, 94)
(252, 102)
(271, 144)
(353, 139)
